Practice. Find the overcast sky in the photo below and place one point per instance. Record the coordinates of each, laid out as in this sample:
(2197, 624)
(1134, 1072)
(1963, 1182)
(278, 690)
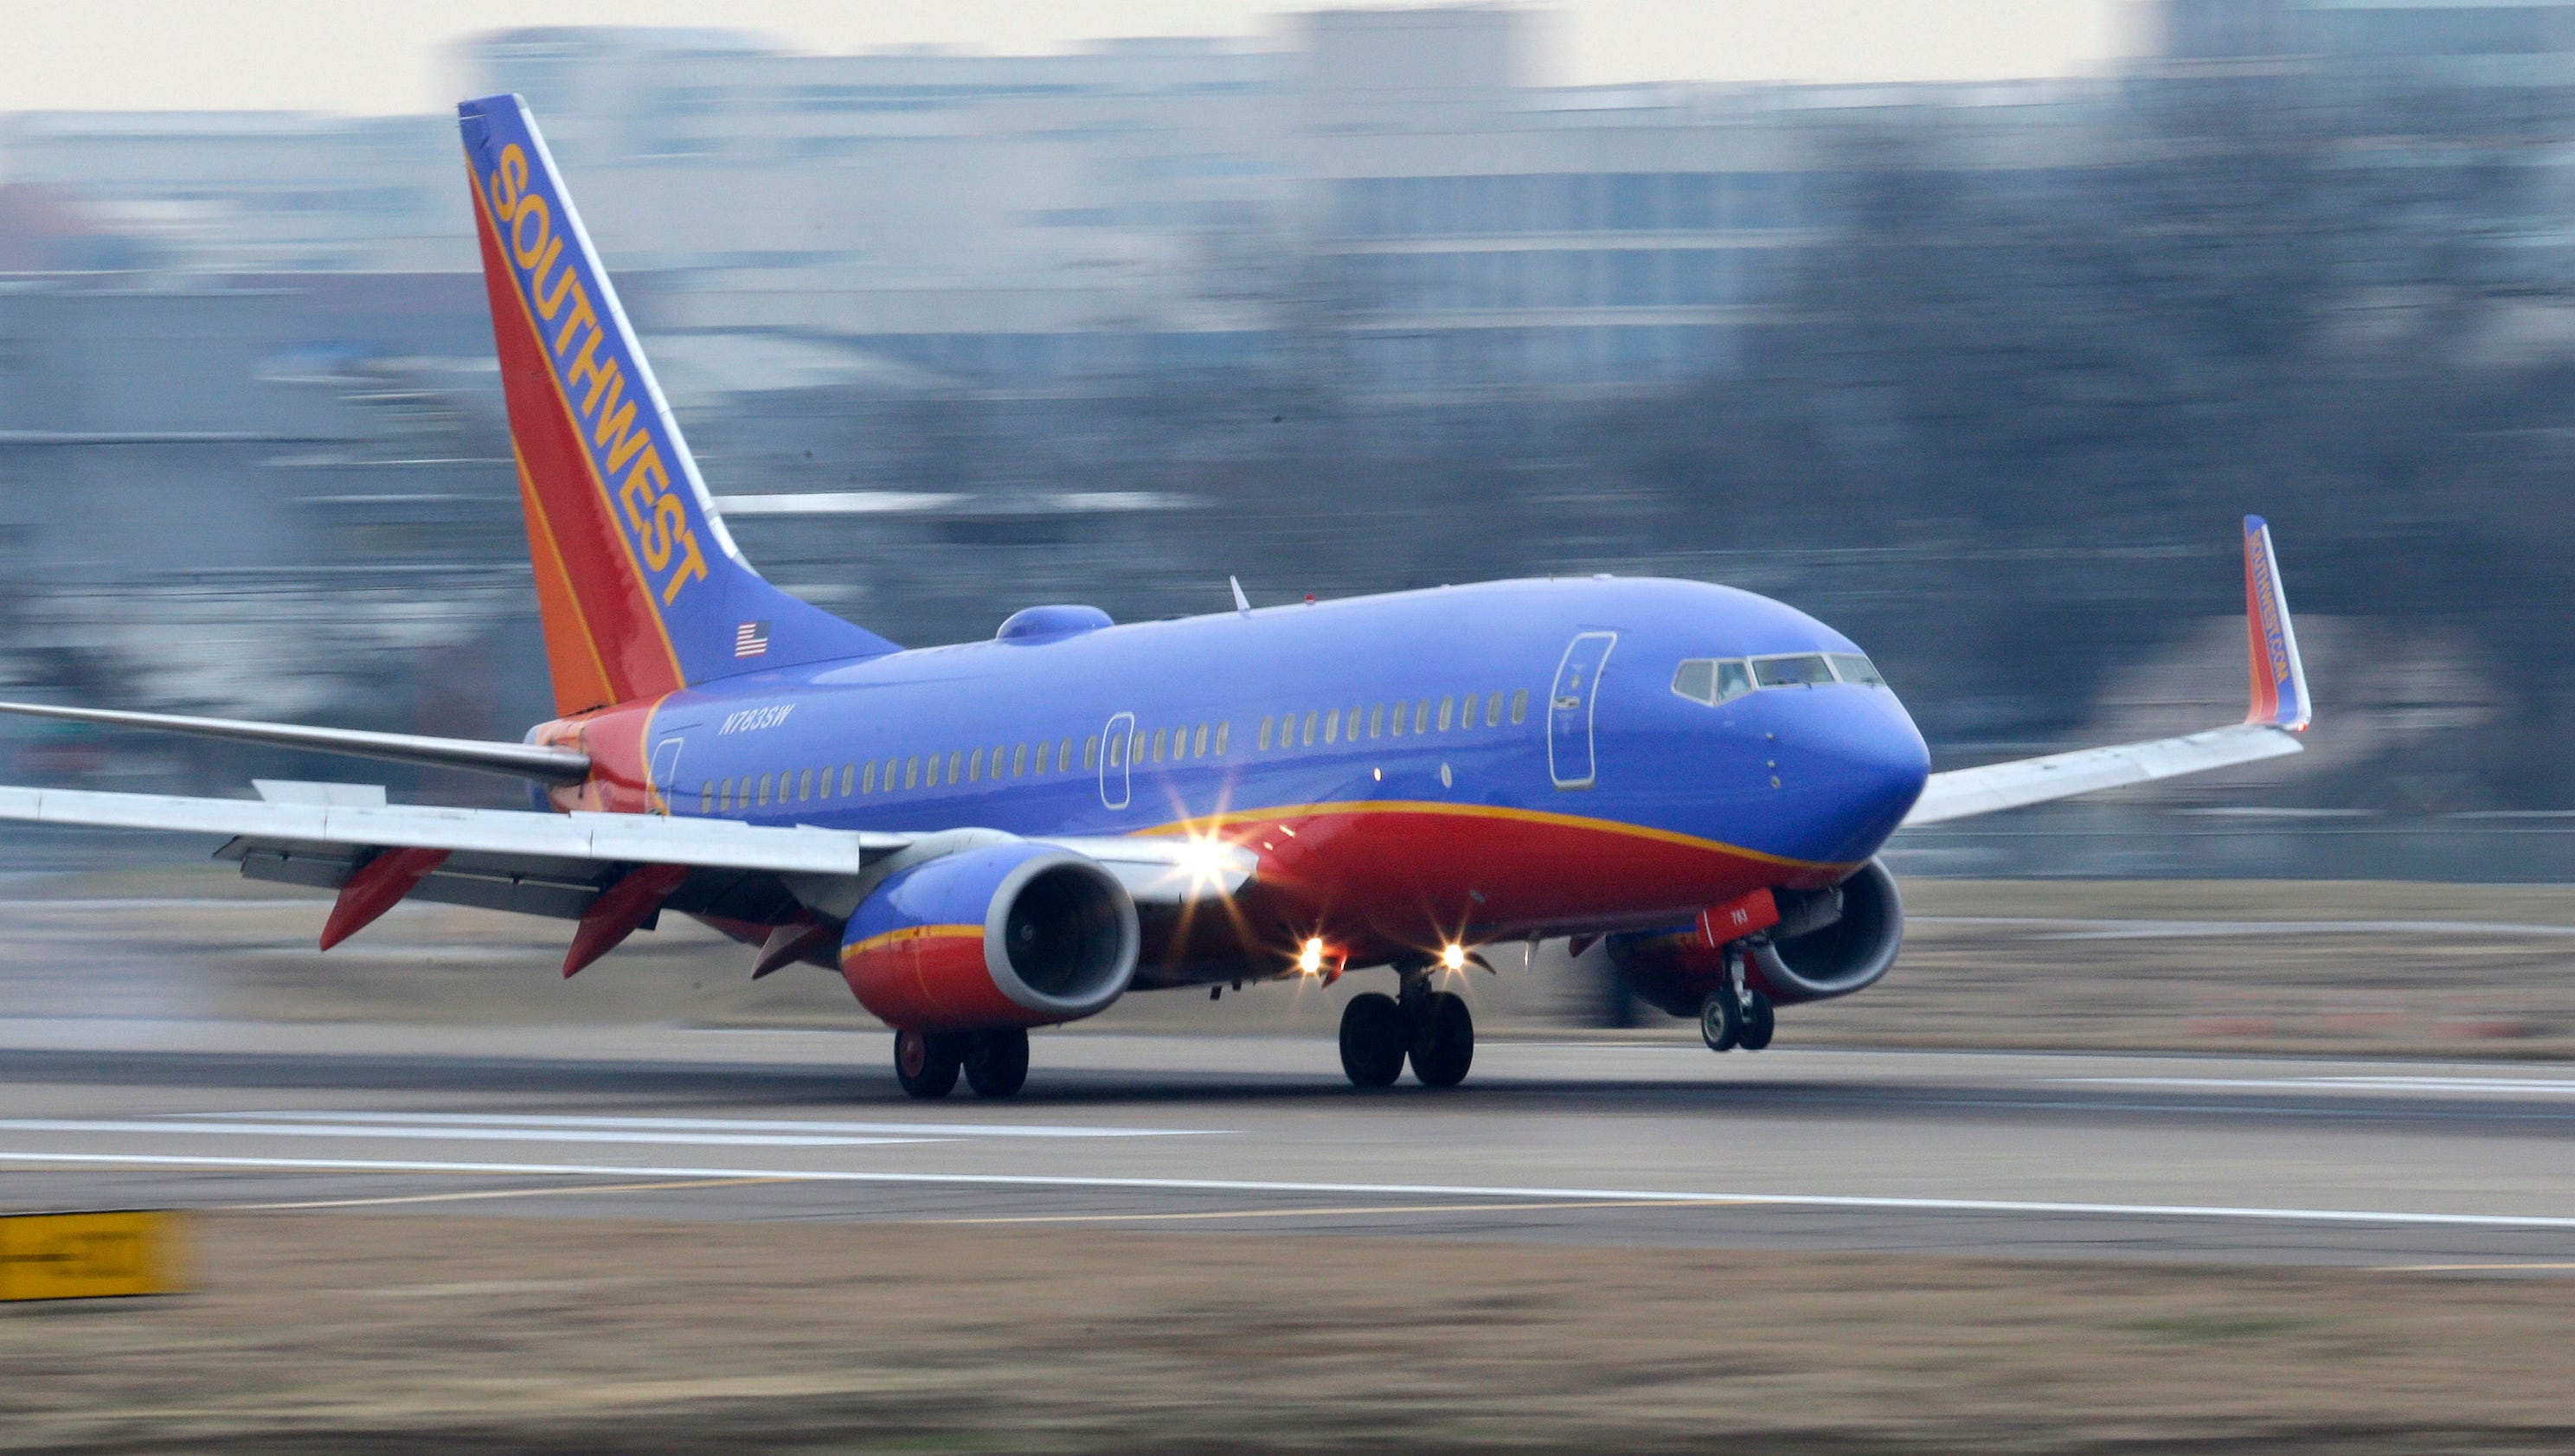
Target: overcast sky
(387, 56)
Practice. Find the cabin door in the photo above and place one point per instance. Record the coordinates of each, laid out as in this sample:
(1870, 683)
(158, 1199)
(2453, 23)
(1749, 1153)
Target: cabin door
(1117, 754)
(1568, 709)
(666, 772)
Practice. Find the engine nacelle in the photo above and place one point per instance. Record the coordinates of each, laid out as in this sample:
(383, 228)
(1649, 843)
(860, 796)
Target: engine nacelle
(1012, 935)
(1828, 942)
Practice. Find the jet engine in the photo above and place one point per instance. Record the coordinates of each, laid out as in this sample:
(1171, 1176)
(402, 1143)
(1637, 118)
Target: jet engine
(1826, 943)
(1011, 934)
(1832, 942)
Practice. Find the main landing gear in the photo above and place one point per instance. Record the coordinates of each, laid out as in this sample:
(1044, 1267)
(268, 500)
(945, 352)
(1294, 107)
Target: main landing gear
(995, 1063)
(1432, 1028)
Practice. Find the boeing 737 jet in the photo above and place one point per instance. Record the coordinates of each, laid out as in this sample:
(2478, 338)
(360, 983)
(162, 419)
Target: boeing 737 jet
(996, 835)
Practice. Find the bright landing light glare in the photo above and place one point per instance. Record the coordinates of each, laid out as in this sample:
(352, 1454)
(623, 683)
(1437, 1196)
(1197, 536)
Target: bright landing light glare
(1454, 957)
(1311, 959)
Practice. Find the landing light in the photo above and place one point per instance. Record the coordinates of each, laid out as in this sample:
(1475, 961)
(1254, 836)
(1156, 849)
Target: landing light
(1454, 957)
(1311, 959)
(1202, 858)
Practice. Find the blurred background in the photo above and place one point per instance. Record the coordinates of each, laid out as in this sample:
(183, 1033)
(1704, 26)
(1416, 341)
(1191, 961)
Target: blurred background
(1981, 371)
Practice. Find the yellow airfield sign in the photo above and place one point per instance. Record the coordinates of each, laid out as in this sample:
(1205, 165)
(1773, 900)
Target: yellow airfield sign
(92, 1255)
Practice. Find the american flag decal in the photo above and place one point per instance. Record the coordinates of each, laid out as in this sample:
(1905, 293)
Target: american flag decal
(750, 640)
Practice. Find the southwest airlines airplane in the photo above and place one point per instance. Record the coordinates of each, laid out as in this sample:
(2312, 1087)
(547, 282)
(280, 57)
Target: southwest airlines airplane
(996, 835)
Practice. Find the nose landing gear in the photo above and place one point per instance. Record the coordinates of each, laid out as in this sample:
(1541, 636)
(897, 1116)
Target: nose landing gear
(1735, 1016)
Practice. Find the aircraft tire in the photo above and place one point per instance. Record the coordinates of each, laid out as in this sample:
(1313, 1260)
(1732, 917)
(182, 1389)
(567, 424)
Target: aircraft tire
(1374, 1038)
(1443, 1043)
(1761, 1019)
(1721, 1019)
(996, 1063)
(925, 1062)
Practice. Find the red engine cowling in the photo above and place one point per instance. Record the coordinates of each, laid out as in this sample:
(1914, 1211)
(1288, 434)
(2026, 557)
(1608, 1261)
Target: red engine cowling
(1012, 935)
(1827, 943)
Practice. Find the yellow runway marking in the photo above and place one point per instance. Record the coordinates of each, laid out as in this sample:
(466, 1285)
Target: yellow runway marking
(505, 1193)
(1367, 1208)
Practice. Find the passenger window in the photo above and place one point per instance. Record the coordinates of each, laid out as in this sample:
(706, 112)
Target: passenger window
(1804, 670)
(1090, 751)
(1852, 668)
(1117, 752)
(1351, 725)
(1160, 736)
(912, 772)
(868, 780)
(1199, 742)
(764, 780)
(1422, 716)
(1493, 711)
(1376, 721)
(723, 797)
(1331, 727)
(805, 785)
(1310, 731)
(1402, 712)
(1265, 735)
(975, 766)
(707, 796)
(1019, 760)
(1520, 706)
(953, 763)
(1447, 706)
(1045, 753)
(1224, 731)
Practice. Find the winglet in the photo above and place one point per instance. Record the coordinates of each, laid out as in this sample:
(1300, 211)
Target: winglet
(2279, 682)
(1241, 604)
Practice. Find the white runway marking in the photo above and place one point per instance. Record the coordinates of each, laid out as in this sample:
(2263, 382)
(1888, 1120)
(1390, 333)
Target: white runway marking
(720, 1124)
(2559, 1086)
(441, 1134)
(1505, 1198)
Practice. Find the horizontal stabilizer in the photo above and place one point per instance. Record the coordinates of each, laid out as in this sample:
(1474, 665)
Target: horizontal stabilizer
(518, 760)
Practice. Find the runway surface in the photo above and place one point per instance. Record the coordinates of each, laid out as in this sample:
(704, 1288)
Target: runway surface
(2403, 1165)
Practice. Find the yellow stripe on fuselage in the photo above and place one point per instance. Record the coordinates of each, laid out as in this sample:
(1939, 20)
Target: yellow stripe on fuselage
(1212, 823)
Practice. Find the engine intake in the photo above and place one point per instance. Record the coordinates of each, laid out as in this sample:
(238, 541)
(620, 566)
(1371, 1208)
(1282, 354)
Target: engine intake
(1832, 942)
(1827, 943)
(1011, 934)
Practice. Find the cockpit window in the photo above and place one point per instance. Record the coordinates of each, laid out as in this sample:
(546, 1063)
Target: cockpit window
(1803, 671)
(1852, 668)
(1712, 680)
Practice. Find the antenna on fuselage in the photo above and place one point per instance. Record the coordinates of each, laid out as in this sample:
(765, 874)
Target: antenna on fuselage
(1241, 604)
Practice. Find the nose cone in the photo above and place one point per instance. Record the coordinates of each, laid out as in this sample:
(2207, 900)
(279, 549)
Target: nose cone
(1851, 764)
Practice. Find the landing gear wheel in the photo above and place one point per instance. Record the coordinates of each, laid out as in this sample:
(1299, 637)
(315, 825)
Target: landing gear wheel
(1444, 1041)
(926, 1063)
(1721, 1019)
(996, 1063)
(1374, 1037)
(1759, 1020)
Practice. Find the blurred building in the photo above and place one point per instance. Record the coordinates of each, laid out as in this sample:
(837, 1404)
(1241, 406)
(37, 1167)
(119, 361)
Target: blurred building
(955, 331)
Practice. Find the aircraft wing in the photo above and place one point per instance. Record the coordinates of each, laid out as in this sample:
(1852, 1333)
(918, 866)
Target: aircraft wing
(617, 871)
(2280, 710)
